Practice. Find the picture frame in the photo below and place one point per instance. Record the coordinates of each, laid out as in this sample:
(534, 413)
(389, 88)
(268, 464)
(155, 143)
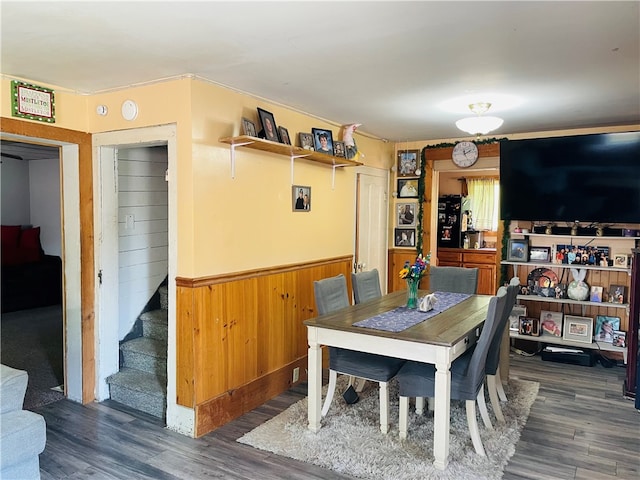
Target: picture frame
(577, 329)
(518, 250)
(619, 338)
(620, 260)
(595, 294)
(406, 214)
(407, 188)
(248, 127)
(540, 254)
(404, 237)
(514, 317)
(551, 323)
(605, 328)
(320, 146)
(339, 149)
(283, 133)
(269, 128)
(301, 198)
(529, 326)
(617, 294)
(306, 141)
(408, 163)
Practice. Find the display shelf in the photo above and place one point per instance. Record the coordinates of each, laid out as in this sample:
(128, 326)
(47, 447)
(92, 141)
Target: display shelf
(291, 151)
(602, 346)
(568, 301)
(578, 237)
(535, 264)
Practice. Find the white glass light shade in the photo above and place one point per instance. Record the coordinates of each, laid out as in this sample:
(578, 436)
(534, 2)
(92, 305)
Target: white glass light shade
(479, 125)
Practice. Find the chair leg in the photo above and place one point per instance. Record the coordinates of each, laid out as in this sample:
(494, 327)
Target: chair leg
(499, 386)
(359, 383)
(492, 381)
(420, 405)
(333, 377)
(404, 417)
(384, 407)
(482, 406)
(473, 427)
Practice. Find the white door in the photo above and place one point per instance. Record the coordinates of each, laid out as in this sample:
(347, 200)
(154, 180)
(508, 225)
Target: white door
(372, 206)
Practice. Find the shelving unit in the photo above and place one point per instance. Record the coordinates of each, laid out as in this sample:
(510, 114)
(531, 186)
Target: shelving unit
(291, 151)
(602, 346)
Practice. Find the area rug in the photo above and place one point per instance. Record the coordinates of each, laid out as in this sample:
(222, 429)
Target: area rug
(350, 441)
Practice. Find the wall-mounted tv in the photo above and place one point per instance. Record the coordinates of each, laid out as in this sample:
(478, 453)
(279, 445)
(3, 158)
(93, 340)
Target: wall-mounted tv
(584, 178)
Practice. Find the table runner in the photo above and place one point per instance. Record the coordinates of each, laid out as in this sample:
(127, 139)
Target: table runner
(401, 318)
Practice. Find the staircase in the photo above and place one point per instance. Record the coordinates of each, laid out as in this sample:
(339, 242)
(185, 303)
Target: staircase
(141, 382)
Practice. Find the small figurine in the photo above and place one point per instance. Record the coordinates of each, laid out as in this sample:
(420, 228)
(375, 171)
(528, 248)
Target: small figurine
(351, 149)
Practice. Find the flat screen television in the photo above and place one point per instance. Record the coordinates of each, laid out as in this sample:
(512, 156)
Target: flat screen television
(585, 178)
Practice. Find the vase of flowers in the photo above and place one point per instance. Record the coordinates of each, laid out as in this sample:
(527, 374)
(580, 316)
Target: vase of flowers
(412, 274)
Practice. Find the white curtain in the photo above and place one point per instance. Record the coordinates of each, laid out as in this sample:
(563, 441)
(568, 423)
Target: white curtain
(484, 194)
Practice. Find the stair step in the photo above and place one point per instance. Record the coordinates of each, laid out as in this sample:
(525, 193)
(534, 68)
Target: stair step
(164, 297)
(155, 324)
(146, 354)
(140, 390)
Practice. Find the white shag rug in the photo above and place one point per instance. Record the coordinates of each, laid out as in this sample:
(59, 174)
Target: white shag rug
(350, 441)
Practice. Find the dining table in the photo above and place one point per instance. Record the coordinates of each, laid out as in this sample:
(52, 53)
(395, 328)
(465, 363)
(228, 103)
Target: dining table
(437, 337)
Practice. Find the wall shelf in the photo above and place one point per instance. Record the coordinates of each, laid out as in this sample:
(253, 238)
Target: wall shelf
(291, 151)
(601, 346)
(566, 265)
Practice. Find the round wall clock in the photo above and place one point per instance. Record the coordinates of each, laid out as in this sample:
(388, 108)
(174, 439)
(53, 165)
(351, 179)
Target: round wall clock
(465, 154)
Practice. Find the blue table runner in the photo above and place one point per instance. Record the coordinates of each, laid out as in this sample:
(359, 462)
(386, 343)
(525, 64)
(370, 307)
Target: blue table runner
(401, 318)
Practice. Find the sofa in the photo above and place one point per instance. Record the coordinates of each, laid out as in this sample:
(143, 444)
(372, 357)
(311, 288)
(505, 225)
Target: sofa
(30, 278)
(23, 434)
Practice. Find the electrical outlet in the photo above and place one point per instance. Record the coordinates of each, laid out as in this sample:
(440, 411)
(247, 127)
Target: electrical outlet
(296, 374)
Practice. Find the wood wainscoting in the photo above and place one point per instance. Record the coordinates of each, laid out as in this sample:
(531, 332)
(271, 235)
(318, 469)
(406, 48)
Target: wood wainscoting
(240, 336)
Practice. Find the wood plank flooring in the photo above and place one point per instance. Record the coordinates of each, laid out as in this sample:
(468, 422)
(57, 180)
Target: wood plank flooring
(580, 427)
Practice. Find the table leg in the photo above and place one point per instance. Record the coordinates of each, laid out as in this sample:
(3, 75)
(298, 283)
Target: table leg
(314, 382)
(442, 412)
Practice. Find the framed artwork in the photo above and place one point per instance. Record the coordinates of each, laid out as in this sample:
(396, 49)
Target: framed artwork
(595, 295)
(619, 338)
(577, 329)
(529, 326)
(406, 214)
(408, 188)
(404, 237)
(339, 149)
(514, 317)
(518, 250)
(301, 198)
(620, 260)
(539, 254)
(248, 127)
(407, 163)
(617, 294)
(269, 128)
(551, 323)
(284, 135)
(605, 328)
(322, 140)
(306, 141)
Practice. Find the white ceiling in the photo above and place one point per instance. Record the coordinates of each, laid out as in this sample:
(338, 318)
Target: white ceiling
(387, 65)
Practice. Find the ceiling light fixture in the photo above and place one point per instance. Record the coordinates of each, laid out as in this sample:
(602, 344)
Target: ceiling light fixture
(479, 125)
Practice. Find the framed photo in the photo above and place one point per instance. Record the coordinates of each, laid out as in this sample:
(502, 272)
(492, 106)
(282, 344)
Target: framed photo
(408, 188)
(407, 163)
(540, 254)
(248, 127)
(620, 260)
(617, 294)
(404, 237)
(338, 149)
(301, 198)
(529, 326)
(514, 317)
(269, 129)
(284, 135)
(605, 328)
(322, 140)
(619, 338)
(578, 329)
(306, 141)
(518, 250)
(595, 295)
(551, 323)
(406, 214)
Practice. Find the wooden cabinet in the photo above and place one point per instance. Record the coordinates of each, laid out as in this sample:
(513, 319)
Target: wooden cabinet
(483, 260)
(397, 259)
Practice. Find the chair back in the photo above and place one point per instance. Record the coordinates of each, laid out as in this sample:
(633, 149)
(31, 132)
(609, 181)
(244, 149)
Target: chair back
(493, 356)
(331, 294)
(453, 279)
(366, 285)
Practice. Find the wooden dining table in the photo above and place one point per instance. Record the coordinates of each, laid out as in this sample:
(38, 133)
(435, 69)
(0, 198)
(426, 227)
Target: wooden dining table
(438, 340)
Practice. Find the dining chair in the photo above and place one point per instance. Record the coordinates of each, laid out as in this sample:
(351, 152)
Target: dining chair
(366, 285)
(331, 295)
(417, 379)
(453, 279)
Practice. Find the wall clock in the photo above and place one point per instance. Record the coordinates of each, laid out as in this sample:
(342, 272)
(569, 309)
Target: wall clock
(465, 154)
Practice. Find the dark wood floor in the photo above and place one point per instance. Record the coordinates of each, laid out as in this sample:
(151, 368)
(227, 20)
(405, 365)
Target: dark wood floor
(580, 427)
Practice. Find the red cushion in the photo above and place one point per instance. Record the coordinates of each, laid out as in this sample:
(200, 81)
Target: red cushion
(10, 239)
(30, 248)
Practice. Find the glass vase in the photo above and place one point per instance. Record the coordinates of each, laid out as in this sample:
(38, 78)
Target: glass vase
(412, 293)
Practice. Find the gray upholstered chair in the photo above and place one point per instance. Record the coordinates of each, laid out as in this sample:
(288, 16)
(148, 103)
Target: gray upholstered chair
(331, 295)
(366, 286)
(453, 279)
(417, 379)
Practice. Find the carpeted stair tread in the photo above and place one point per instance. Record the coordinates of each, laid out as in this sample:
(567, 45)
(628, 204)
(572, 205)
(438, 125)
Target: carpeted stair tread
(157, 316)
(155, 324)
(139, 390)
(139, 381)
(145, 346)
(164, 297)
